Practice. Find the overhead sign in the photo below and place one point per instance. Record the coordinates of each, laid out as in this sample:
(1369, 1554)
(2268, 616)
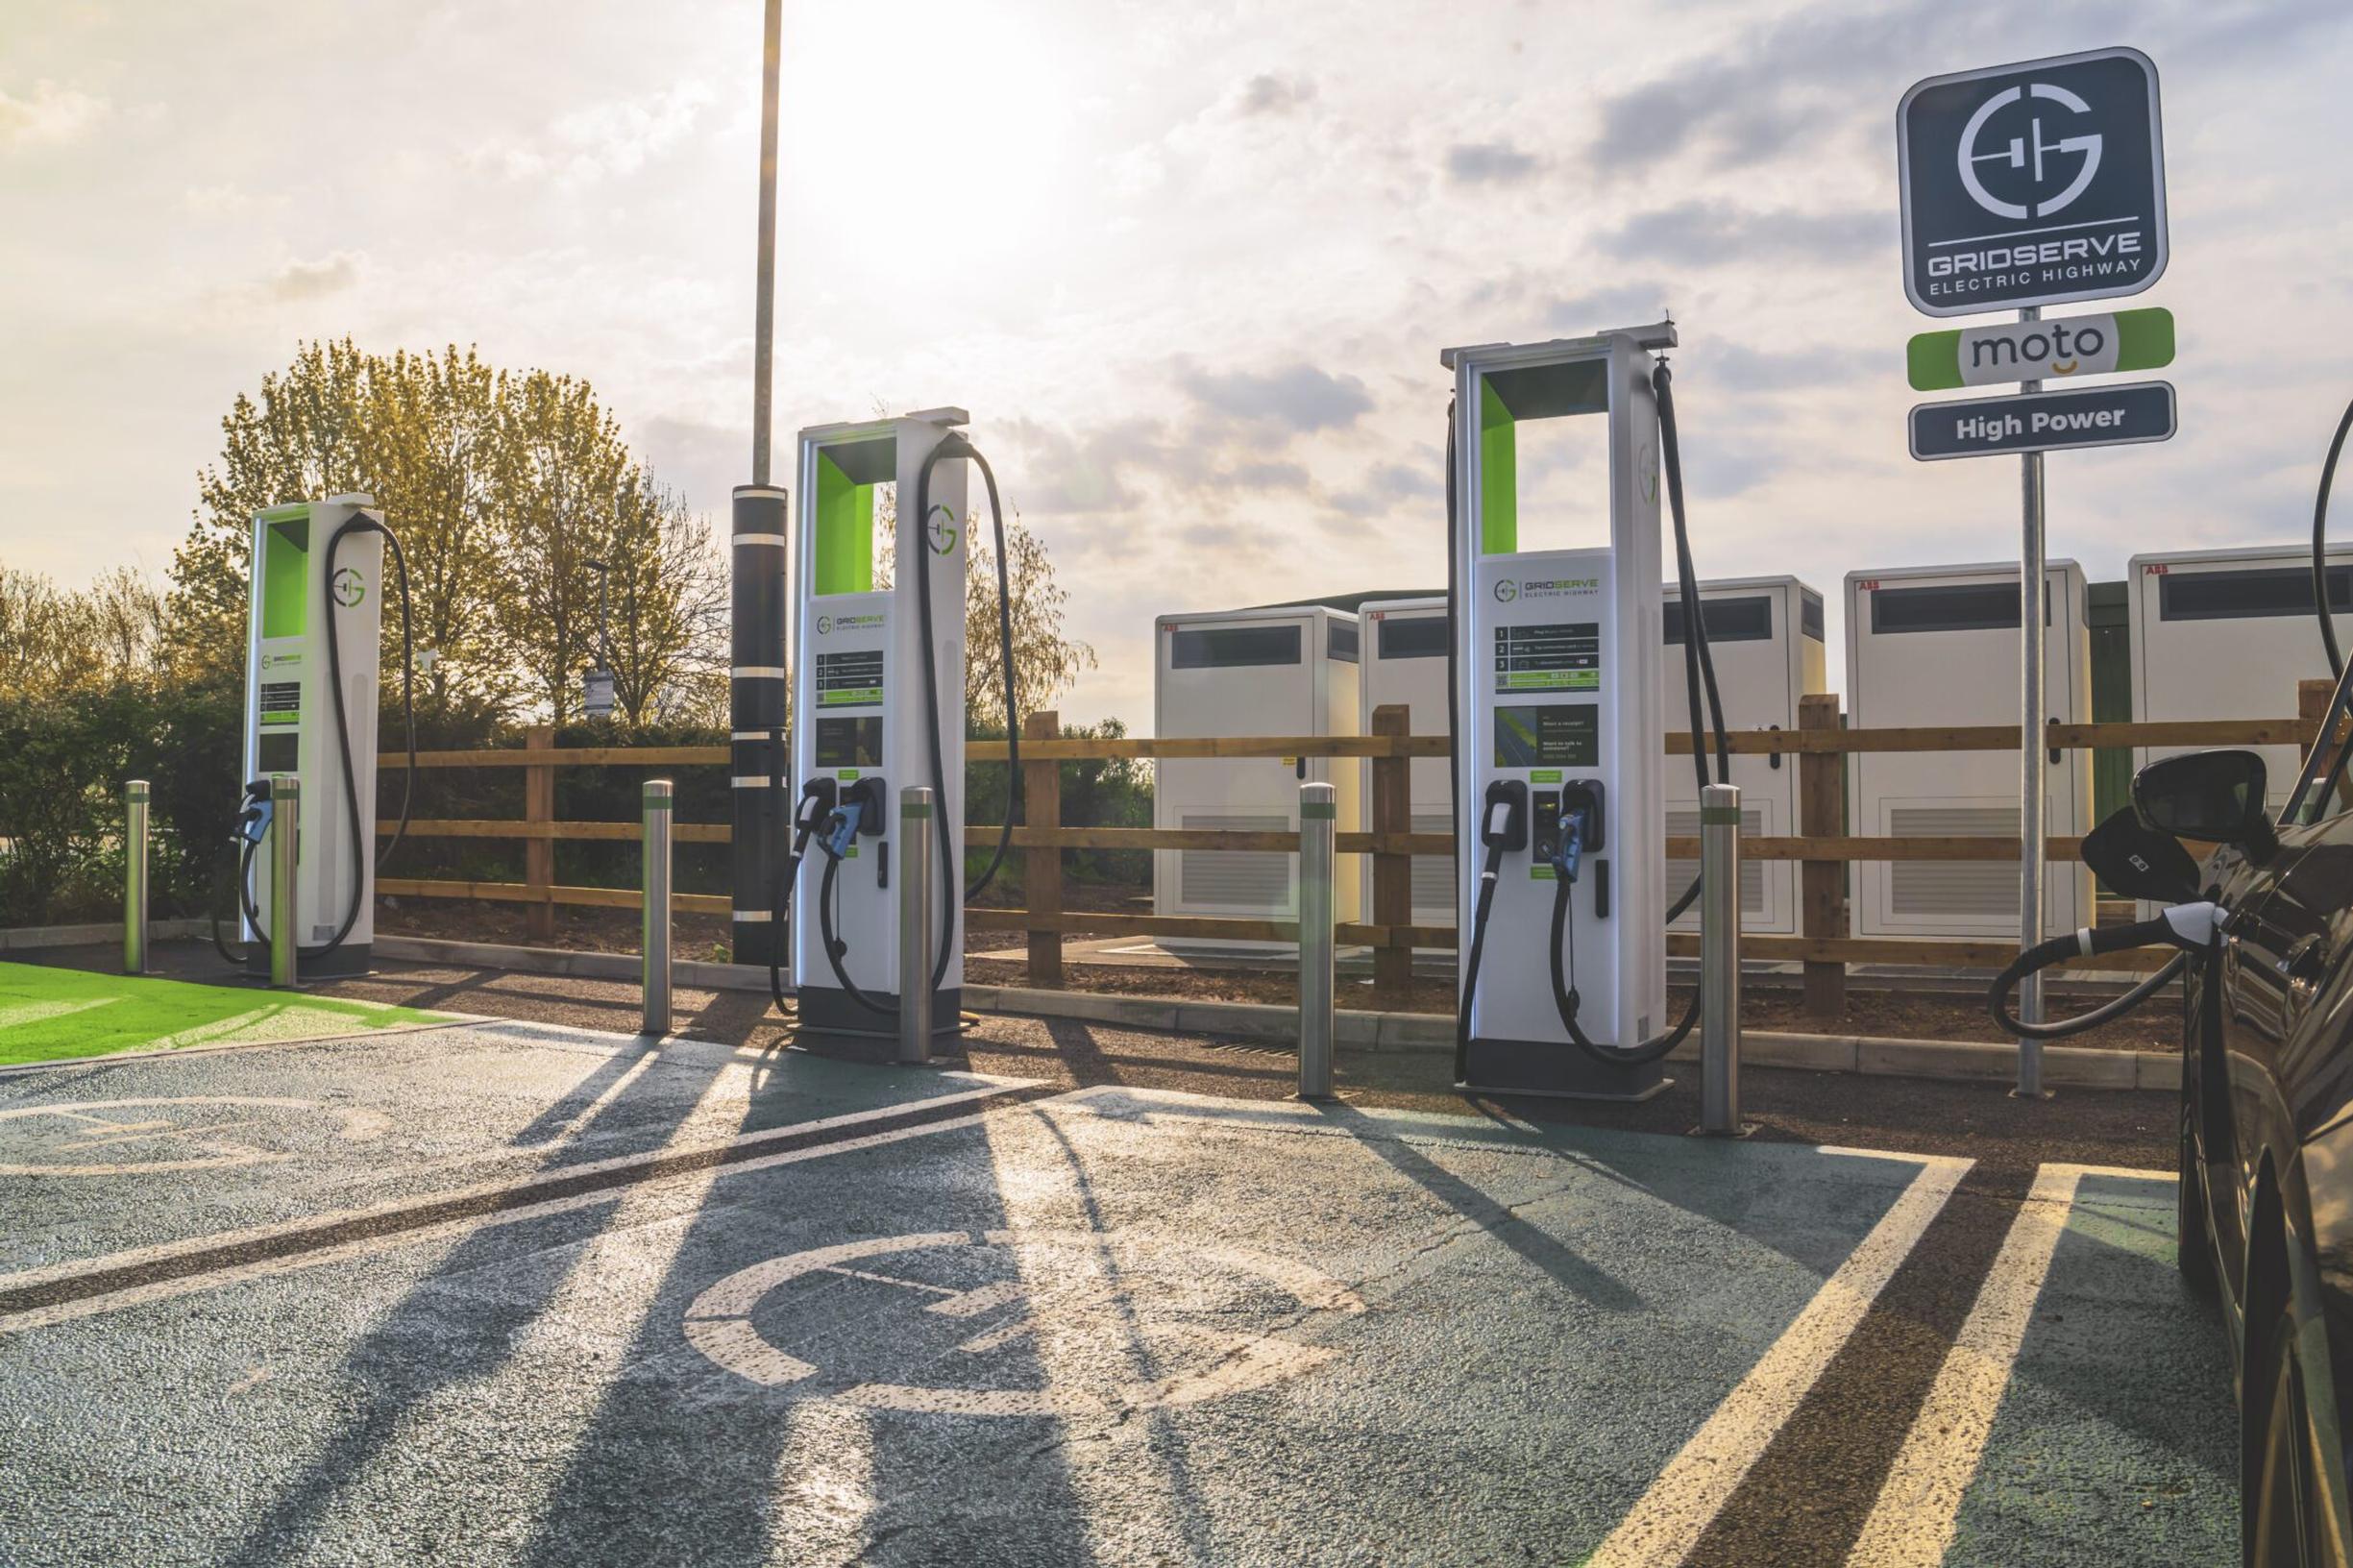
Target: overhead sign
(2036, 350)
(2034, 184)
(2092, 416)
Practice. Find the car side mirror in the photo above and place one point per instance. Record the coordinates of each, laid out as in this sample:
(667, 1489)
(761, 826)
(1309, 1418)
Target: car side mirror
(2216, 796)
(2138, 862)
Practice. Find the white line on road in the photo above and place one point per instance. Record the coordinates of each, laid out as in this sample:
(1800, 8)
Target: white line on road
(559, 1173)
(41, 1317)
(1912, 1524)
(1672, 1516)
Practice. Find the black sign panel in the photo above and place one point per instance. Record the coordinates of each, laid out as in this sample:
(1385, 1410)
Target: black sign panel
(2106, 416)
(2034, 184)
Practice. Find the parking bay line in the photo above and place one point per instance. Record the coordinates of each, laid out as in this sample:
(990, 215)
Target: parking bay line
(37, 1298)
(1675, 1513)
(1919, 1507)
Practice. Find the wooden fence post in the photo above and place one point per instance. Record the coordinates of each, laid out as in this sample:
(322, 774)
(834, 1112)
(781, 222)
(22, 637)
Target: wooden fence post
(2311, 700)
(1042, 866)
(1392, 812)
(1822, 811)
(539, 853)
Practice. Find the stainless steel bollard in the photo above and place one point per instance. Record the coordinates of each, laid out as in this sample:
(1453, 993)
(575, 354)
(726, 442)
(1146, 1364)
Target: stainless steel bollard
(135, 876)
(1720, 959)
(918, 869)
(654, 946)
(1318, 823)
(285, 845)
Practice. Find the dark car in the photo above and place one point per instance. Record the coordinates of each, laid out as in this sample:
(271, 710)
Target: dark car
(2266, 1130)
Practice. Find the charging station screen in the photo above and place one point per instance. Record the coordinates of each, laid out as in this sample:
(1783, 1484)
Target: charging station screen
(1555, 735)
(849, 743)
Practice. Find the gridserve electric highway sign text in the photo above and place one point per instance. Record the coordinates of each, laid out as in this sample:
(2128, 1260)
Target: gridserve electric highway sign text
(2034, 184)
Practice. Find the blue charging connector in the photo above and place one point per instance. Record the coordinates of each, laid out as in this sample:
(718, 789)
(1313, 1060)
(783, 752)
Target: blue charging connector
(843, 831)
(1571, 851)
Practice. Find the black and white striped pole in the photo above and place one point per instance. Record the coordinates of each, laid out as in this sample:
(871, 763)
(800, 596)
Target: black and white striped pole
(756, 698)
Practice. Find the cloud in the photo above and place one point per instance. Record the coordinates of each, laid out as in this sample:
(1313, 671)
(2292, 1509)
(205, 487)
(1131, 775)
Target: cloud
(1085, 471)
(313, 279)
(1268, 94)
(53, 116)
(1489, 163)
(1264, 477)
(1298, 398)
(1708, 231)
(1598, 310)
(615, 138)
(1388, 484)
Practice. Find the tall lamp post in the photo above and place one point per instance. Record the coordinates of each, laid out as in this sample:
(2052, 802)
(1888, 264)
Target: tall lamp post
(756, 672)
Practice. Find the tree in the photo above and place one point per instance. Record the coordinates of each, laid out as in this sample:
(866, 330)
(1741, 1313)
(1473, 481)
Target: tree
(54, 644)
(502, 486)
(670, 610)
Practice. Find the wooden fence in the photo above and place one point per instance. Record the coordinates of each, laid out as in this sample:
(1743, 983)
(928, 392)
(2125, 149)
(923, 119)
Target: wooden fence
(1821, 846)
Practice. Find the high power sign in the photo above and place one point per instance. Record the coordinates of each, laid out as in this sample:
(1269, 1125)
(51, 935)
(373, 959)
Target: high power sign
(2031, 185)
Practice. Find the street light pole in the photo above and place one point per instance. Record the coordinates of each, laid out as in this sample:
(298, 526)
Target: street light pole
(764, 323)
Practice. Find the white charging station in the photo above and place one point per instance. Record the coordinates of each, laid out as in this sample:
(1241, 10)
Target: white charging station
(1767, 637)
(1404, 665)
(1937, 645)
(1285, 669)
(290, 728)
(2227, 634)
(861, 729)
(1557, 657)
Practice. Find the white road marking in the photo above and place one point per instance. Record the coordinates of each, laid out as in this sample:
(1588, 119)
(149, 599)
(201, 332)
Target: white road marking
(719, 1321)
(357, 1125)
(1912, 1524)
(263, 1232)
(1672, 1516)
(41, 1317)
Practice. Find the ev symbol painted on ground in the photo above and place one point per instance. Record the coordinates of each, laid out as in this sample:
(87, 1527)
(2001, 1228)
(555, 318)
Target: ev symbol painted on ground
(151, 1137)
(1017, 1323)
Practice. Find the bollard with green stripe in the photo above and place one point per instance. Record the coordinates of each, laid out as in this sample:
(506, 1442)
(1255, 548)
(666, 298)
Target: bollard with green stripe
(2049, 351)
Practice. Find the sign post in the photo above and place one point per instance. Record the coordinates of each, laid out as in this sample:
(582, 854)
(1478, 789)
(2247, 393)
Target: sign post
(2023, 186)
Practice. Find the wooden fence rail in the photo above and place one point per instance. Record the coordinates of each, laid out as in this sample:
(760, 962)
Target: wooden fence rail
(1820, 847)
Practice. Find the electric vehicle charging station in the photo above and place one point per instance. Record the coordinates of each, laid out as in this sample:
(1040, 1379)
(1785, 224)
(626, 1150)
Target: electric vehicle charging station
(1925, 646)
(2226, 634)
(864, 725)
(1559, 731)
(310, 614)
(1405, 665)
(1285, 669)
(1769, 632)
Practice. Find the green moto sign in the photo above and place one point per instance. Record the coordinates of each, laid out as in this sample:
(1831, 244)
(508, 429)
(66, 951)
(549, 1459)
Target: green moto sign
(2044, 350)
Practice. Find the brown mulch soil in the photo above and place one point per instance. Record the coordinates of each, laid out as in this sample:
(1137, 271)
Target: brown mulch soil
(1875, 1012)
(1890, 1014)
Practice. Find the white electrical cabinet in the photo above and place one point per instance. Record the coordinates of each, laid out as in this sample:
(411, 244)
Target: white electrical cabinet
(1405, 665)
(1930, 646)
(1766, 637)
(1285, 671)
(2227, 634)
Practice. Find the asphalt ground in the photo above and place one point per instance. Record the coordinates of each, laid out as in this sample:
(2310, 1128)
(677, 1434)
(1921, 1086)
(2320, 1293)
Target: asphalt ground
(520, 1294)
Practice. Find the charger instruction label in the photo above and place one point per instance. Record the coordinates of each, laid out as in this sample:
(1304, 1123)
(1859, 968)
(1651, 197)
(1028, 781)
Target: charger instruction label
(1564, 656)
(851, 679)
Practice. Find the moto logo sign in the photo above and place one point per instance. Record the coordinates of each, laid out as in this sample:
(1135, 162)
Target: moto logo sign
(2033, 183)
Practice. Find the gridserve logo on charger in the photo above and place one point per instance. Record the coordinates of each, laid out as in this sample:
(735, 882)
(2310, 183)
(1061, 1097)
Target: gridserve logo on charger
(1507, 590)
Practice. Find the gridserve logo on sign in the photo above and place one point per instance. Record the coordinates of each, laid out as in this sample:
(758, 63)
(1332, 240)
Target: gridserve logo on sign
(2034, 184)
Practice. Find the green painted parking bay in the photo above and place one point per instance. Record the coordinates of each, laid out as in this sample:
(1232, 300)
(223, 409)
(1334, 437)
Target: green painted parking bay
(1095, 1327)
(2099, 1389)
(179, 1151)
(49, 1014)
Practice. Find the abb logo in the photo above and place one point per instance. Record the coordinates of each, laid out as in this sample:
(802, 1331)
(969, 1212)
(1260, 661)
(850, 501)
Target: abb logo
(1867, 585)
(2154, 569)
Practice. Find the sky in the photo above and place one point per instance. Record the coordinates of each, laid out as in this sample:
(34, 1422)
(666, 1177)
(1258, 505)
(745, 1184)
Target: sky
(1190, 266)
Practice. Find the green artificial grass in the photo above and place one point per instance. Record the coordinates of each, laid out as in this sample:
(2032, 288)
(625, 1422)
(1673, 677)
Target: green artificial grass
(47, 1014)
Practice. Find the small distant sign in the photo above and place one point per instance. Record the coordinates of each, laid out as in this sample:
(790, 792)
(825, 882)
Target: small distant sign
(2041, 351)
(597, 694)
(2106, 416)
(2033, 183)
